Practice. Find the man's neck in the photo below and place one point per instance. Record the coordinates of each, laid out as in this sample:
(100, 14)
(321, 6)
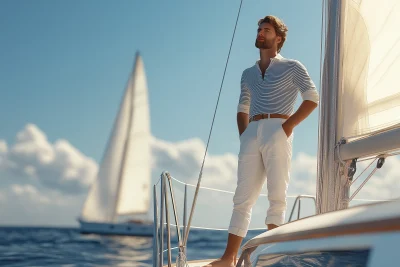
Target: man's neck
(265, 57)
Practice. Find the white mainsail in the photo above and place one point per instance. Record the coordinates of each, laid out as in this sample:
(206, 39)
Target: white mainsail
(122, 184)
(360, 92)
(370, 90)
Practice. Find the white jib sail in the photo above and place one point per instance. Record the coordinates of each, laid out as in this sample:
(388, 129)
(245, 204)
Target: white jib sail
(122, 184)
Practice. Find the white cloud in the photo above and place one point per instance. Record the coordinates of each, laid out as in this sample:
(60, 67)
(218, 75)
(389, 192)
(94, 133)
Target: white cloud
(183, 160)
(48, 182)
(58, 166)
(62, 167)
(30, 192)
(3, 154)
(3, 147)
(303, 174)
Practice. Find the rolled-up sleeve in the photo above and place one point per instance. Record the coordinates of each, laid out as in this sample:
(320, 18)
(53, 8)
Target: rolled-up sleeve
(244, 99)
(304, 83)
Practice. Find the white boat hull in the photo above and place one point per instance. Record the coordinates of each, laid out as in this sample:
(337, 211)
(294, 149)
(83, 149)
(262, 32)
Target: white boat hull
(130, 229)
(365, 235)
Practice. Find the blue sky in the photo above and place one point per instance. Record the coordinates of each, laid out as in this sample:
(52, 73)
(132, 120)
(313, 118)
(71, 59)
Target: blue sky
(64, 65)
(63, 70)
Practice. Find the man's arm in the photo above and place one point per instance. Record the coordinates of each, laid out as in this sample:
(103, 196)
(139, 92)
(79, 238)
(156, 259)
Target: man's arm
(303, 112)
(242, 121)
(243, 106)
(310, 96)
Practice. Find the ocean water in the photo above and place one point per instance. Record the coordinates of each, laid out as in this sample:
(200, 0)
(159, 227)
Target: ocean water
(33, 246)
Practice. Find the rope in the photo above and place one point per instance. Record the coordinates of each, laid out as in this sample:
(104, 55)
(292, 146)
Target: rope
(212, 125)
(158, 181)
(290, 196)
(215, 229)
(225, 191)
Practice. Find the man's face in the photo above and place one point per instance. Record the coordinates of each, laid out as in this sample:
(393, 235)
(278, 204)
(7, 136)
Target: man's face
(266, 37)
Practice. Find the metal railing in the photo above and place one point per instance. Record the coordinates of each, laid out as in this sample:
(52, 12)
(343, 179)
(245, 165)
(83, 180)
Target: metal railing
(298, 200)
(162, 211)
(158, 238)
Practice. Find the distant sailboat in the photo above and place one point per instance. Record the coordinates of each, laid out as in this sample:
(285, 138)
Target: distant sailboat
(122, 186)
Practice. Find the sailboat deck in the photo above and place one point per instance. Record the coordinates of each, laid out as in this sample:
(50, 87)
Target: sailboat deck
(197, 263)
(372, 218)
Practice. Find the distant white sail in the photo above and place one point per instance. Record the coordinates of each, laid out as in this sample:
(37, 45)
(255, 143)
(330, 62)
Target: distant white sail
(122, 184)
(134, 194)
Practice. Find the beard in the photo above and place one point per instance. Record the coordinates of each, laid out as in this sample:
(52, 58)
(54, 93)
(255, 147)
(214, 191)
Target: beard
(266, 44)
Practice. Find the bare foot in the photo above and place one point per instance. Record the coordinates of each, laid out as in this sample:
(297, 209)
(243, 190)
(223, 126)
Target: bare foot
(272, 226)
(223, 262)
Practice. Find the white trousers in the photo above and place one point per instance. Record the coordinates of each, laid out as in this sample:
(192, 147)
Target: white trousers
(265, 153)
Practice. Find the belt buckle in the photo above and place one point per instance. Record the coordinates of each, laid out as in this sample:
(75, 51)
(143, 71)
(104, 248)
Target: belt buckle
(268, 116)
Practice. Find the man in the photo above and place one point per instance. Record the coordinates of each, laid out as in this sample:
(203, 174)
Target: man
(266, 121)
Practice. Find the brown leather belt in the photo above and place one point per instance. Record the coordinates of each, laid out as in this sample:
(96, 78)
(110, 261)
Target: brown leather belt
(268, 116)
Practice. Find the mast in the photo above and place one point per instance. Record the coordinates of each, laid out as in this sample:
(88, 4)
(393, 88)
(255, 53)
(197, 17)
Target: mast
(332, 185)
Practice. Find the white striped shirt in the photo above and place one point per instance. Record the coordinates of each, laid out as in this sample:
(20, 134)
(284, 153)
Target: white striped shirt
(277, 92)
